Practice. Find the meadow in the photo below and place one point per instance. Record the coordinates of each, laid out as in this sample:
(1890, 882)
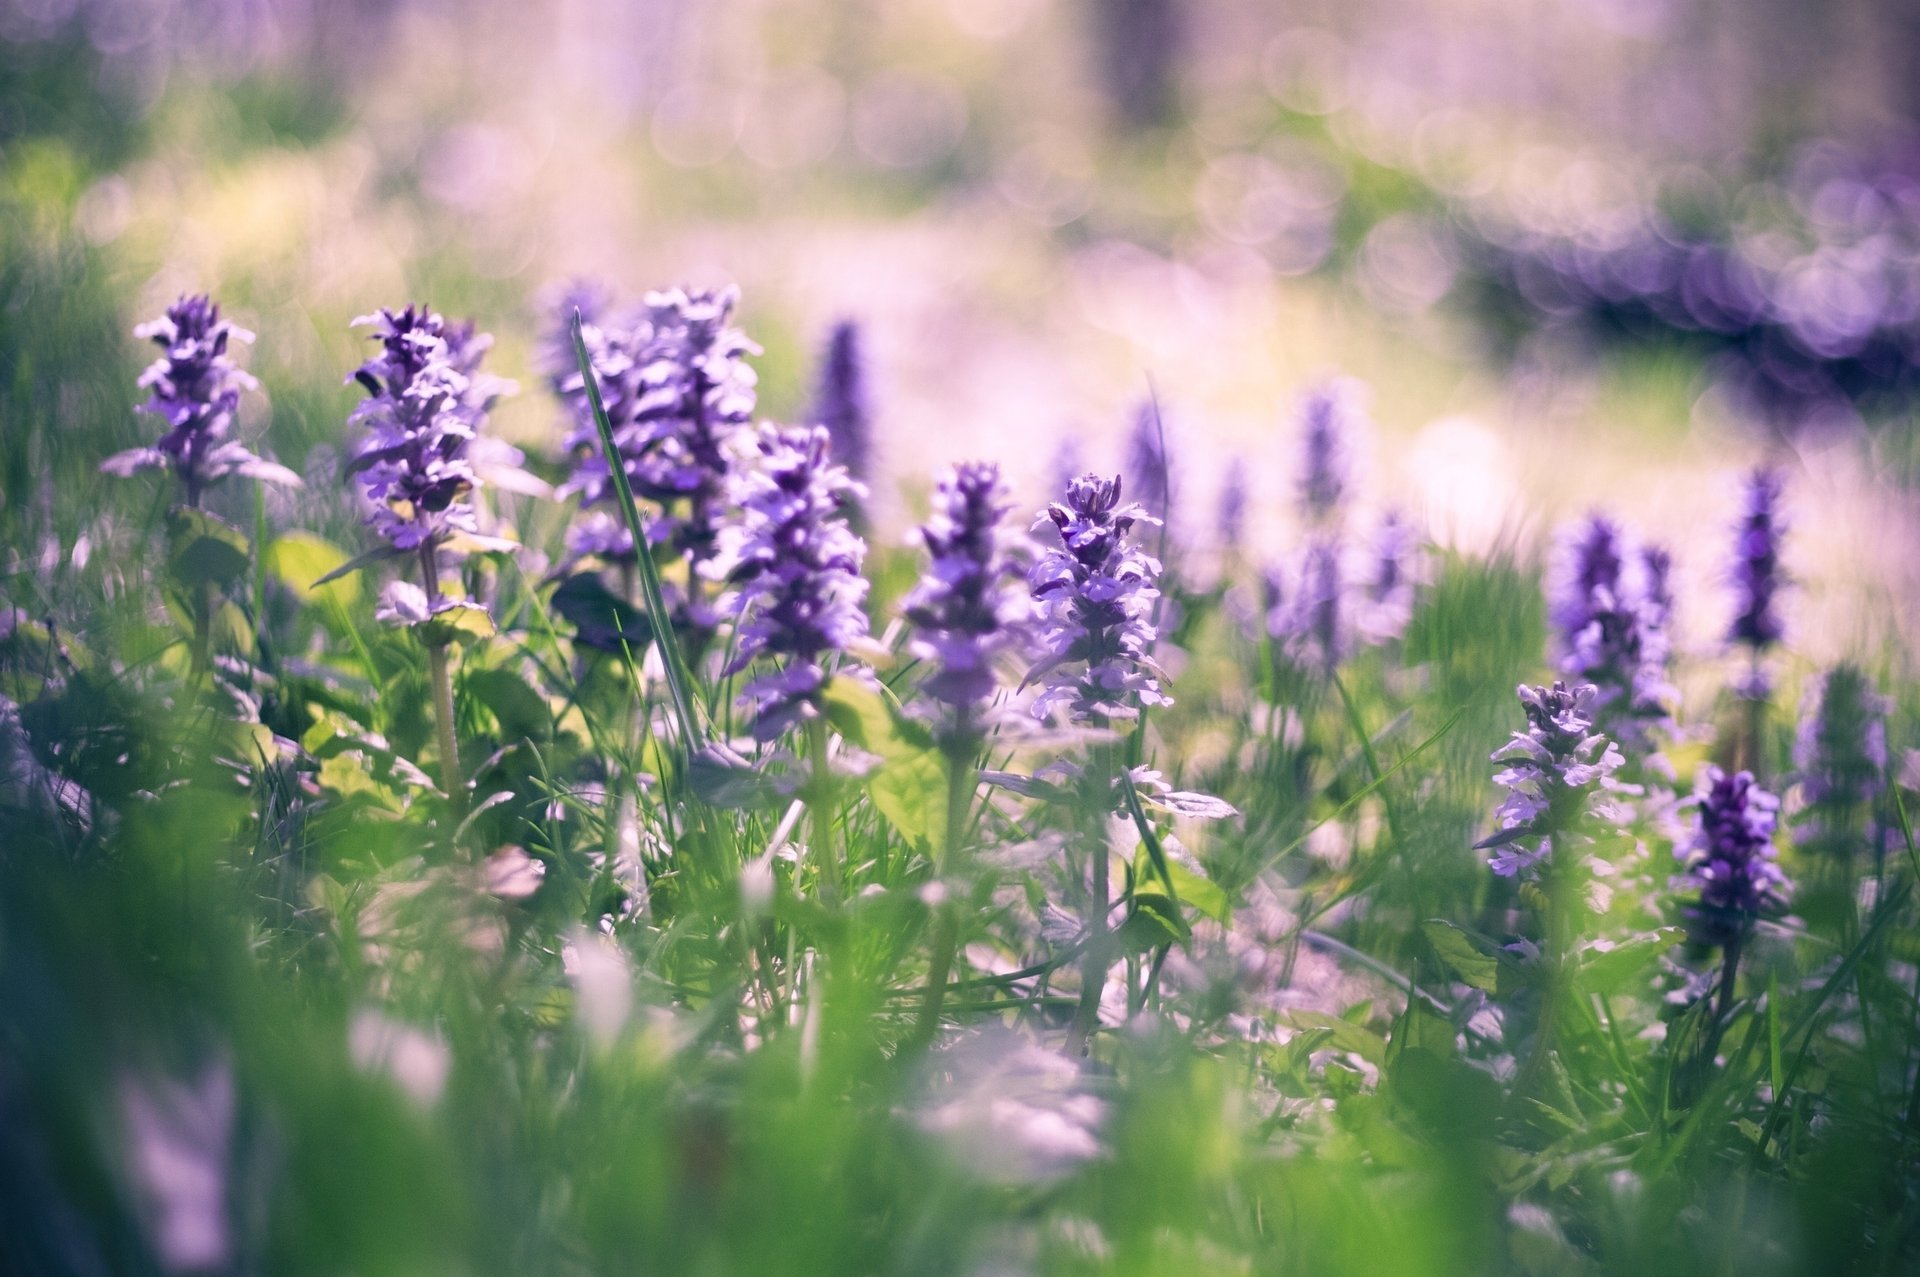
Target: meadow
(664, 793)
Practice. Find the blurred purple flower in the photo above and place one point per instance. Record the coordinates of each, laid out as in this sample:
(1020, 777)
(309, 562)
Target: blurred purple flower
(1329, 419)
(1594, 561)
(1729, 858)
(1097, 591)
(1148, 471)
(426, 398)
(1614, 632)
(195, 388)
(1756, 568)
(840, 402)
(1387, 605)
(799, 565)
(1231, 519)
(1558, 770)
(967, 609)
(1840, 755)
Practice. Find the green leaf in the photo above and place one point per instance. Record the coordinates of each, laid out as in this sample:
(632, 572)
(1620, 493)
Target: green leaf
(600, 618)
(1345, 1034)
(203, 549)
(379, 554)
(864, 714)
(1461, 955)
(310, 567)
(1154, 921)
(523, 714)
(1626, 963)
(909, 786)
(1202, 893)
(461, 623)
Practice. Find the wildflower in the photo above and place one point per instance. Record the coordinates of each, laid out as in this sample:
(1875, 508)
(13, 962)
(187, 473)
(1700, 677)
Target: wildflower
(1756, 570)
(1594, 564)
(1559, 770)
(619, 353)
(1317, 624)
(696, 401)
(426, 398)
(840, 404)
(1387, 602)
(1840, 754)
(800, 568)
(1613, 630)
(1148, 471)
(1729, 859)
(1231, 519)
(1097, 591)
(1329, 419)
(965, 609)
(195, 388)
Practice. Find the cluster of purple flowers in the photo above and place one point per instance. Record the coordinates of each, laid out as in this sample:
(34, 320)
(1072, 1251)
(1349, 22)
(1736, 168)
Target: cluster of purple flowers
(426, 398)
(1729, 859)
(1557, 777)
(194, 387)
(1097, 590)
(968, 610)
(1613, 628)
(798, 564)
(679, 397)
(1328, 422)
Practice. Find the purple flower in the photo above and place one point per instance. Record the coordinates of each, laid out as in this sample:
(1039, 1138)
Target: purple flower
(195, 389)
(1557, 773)
(967, 609)
(1316, 625)
(1594, 560)
(1097, 590)
(840, 403)
(1329, 418)
(1231, 519)
(1389, 588)
(1614, 630)
(1148, 472)
(619, 351)
(1756, 567)
(426, 398)
(1840, 755)
(799, 567)
(1729, 858)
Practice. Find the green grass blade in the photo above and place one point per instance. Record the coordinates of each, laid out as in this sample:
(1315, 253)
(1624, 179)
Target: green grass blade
(679, 675)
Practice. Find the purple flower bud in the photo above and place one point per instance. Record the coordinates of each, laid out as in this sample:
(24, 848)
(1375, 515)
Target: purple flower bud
(1840, 755)
(195, 389)
(1097, 590)
(1317, 625)
(1557, 773)
(1757, 576)
(426, 398)
(840, 403)
(1729, 859)
(968, 608)
(799, 568)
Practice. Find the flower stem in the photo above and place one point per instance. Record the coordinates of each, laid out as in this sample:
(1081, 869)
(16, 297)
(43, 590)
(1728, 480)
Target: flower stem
(1093, 965)
(820, 811)
(946, 923)
(451, 778)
